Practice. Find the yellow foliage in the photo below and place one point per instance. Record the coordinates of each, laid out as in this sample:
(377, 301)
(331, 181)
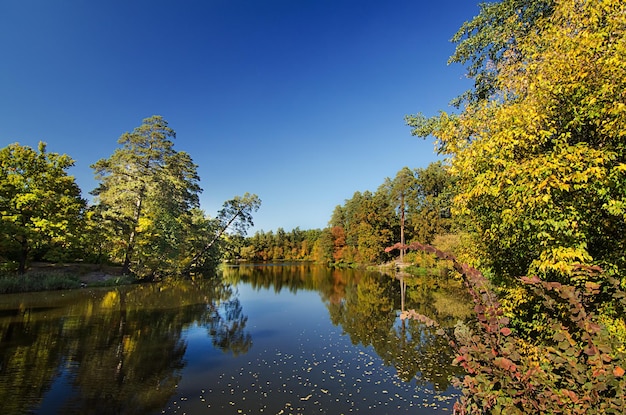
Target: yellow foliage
(144, 223)
(617, 331)
(542, 163)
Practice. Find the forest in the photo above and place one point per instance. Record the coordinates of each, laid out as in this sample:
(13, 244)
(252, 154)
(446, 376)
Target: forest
(413, 206)
(527, 205)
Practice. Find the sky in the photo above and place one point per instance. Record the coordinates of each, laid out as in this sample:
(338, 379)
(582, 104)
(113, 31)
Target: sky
(301, 102)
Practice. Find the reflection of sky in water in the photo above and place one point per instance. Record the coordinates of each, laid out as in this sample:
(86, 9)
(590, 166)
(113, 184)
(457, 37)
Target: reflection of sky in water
(299, 363)
(59, 390)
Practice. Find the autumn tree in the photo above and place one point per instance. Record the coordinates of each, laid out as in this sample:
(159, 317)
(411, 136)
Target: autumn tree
(146, 195)
(40, 204)
(296, 244)
(430, 215)
(541, 161)
(401, 192)
(361, 228)
(414, 204)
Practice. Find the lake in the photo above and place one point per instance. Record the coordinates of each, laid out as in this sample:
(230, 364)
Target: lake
(262, 339)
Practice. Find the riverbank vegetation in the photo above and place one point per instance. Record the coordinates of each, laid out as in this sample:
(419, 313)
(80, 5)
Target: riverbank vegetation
(538, 155)
(47, 276)
(145, 215)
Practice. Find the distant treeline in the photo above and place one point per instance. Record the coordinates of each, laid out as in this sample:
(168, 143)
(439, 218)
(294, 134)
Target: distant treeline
(294, 245)
(413, 206)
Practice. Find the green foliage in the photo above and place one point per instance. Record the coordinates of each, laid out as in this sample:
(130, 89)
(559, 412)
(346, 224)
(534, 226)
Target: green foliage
(323, 248)
(236, 217)
(362, 226)
(400, 192)
(146, 214)
(538, 155)
(430, 215)
(40, 204)
(488, 39)
(236, 214)
(415, 204)
(145, 199)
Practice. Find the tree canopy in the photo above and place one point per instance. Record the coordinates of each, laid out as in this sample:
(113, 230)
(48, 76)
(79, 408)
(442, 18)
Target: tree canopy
(145, 215)
(146, 195)
(40, 204)
(492, 37)
(540, 163)
(415, 203)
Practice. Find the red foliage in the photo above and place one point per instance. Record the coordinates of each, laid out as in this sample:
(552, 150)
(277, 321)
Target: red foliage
(579, 370)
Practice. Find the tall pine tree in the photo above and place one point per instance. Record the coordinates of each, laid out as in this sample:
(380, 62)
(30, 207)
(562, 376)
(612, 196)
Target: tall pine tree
(146, 195)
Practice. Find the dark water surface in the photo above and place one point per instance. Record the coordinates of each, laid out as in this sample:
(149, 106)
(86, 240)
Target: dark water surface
(269, 339)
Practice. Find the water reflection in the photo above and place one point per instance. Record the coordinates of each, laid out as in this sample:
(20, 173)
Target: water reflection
(226, 326)
(366, 306)
(296, 338)
(108, 350)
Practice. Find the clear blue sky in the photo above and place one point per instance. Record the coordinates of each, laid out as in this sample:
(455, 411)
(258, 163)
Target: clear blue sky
(299, 101)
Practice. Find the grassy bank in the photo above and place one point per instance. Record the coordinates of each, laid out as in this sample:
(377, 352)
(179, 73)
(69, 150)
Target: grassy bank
(37, 281)
(47, 277)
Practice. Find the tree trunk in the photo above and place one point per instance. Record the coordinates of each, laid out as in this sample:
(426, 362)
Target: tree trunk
(210, 244)
(402, 250)
(21, 269)
(131, 238)
(128, 253)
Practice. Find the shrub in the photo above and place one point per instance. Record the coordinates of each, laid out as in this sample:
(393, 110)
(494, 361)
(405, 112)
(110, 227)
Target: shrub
(575, 367)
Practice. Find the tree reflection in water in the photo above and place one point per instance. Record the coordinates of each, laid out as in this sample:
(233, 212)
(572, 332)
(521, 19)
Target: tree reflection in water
(366, 306)
(125, 350)
(226, 326)
(117, 351)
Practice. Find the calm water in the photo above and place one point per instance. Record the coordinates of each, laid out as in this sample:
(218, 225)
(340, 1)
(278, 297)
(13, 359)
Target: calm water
(270, 339)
